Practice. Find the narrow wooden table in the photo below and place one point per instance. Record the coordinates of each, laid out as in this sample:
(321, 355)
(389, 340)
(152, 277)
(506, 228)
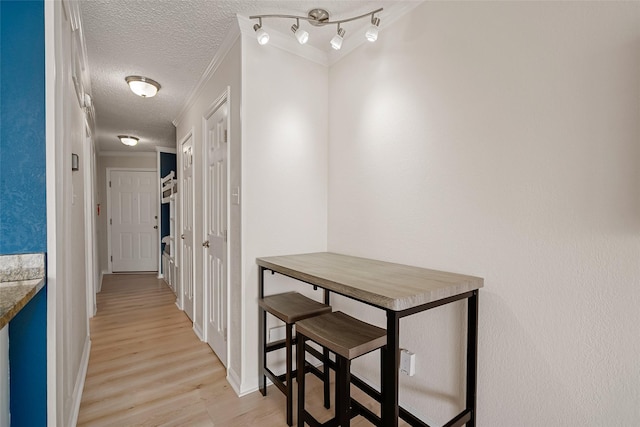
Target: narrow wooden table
(401, 291)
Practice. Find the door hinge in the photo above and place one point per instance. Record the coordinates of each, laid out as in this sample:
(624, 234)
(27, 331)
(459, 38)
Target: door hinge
(225, 135)
(224, 235)
(111, 258)
(109, 184)
(110, 221)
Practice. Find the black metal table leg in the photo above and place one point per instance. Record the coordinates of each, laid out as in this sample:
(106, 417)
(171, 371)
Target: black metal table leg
(472, 356)
(325, 362)
(262, 333)
(390, 366)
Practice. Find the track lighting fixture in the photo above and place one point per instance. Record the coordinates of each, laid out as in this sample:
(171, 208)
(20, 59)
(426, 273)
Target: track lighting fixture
(372, 32)
(318, 18)
(336, 41)
(261, 34)
(300, 34)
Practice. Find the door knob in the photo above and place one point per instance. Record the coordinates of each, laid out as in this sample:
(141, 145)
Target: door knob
(155, 226)
(182, 236)
(205, 244)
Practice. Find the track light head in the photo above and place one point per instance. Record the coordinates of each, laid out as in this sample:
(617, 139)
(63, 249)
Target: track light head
(372, 32)
(261, 34)
(300, 34)
(336, 41)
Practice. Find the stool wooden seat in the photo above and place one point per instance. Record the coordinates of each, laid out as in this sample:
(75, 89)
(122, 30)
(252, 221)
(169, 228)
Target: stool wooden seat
(291, 307)
(348, 338)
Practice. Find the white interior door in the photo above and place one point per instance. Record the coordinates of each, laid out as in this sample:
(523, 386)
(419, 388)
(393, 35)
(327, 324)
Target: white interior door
(133, 221)
(186, 226)
(215, 221)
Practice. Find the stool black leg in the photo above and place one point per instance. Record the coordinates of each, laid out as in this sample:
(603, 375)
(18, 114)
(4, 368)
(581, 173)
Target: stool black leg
(288, 378)
(326, 379)
(325, 354)
(300, 378)
(343, 394)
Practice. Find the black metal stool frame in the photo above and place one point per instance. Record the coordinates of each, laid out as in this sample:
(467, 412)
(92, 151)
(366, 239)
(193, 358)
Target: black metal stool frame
(284, 382)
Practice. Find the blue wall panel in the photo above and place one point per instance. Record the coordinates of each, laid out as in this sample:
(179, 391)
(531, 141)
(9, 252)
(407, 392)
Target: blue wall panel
(22, 133)
(23, 195)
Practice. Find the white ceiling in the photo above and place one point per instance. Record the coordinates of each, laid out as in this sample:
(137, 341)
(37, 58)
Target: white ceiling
(173, 42)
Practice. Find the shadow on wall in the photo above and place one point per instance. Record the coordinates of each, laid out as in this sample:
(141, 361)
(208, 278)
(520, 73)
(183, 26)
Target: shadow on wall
(507, 371)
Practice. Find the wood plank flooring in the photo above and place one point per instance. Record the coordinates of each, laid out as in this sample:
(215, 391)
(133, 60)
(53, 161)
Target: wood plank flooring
(148, 368)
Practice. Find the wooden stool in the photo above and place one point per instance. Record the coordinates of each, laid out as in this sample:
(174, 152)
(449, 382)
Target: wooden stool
(348, 338)
(291, 307)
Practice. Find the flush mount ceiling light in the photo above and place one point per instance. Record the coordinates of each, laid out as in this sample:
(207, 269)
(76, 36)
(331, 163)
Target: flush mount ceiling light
(143, 86)
(318, 18)
(128, 140)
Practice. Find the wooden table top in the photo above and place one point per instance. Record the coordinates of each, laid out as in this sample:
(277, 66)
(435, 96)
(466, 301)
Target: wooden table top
(382, 284)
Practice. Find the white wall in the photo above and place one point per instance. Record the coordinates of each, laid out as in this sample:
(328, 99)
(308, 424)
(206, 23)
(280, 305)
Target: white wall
(126, 160)
(68, 328)
(284, 171)
(502, 140)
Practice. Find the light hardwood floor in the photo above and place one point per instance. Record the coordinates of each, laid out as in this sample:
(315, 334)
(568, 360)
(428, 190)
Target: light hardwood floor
(148, 368)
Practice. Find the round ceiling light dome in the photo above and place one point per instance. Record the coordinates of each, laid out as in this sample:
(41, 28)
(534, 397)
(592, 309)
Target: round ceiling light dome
(143, 86)
(128, 140)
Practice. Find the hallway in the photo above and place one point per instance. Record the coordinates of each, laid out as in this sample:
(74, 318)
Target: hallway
(148, 368)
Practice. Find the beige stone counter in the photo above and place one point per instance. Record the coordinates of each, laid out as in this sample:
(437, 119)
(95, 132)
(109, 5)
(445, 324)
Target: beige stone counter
(21, 278)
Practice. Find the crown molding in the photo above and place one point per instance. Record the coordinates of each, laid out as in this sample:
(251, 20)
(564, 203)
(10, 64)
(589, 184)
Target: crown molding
(221, 53)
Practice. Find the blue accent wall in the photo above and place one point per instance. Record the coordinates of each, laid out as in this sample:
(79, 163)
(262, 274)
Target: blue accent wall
(23, 227)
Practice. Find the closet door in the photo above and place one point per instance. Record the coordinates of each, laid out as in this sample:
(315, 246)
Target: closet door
(133, 221)
(186, 226)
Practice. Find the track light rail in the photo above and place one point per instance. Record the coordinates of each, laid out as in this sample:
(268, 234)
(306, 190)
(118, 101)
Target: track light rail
(318, 18)
(318, 22)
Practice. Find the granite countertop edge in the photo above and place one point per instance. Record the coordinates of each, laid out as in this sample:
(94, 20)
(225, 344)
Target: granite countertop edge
(21, 278)
(15, 295)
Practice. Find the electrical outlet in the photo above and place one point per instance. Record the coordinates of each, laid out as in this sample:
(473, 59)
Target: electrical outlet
(407, 362)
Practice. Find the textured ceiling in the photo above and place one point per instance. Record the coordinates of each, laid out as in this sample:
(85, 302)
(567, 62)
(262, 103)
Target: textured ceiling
(172, 42)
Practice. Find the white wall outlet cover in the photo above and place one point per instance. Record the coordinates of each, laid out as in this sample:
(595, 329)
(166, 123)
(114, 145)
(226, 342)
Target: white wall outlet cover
(407, 362)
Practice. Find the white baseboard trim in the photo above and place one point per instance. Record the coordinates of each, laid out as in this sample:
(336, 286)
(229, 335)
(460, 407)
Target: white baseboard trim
(198, 331)
(234, 380)
(78, 388)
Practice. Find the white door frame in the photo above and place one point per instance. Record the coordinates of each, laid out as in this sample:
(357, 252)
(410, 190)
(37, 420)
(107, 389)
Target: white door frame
(109, 170)
(225, 97)
(91, 271)
(159, 151)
